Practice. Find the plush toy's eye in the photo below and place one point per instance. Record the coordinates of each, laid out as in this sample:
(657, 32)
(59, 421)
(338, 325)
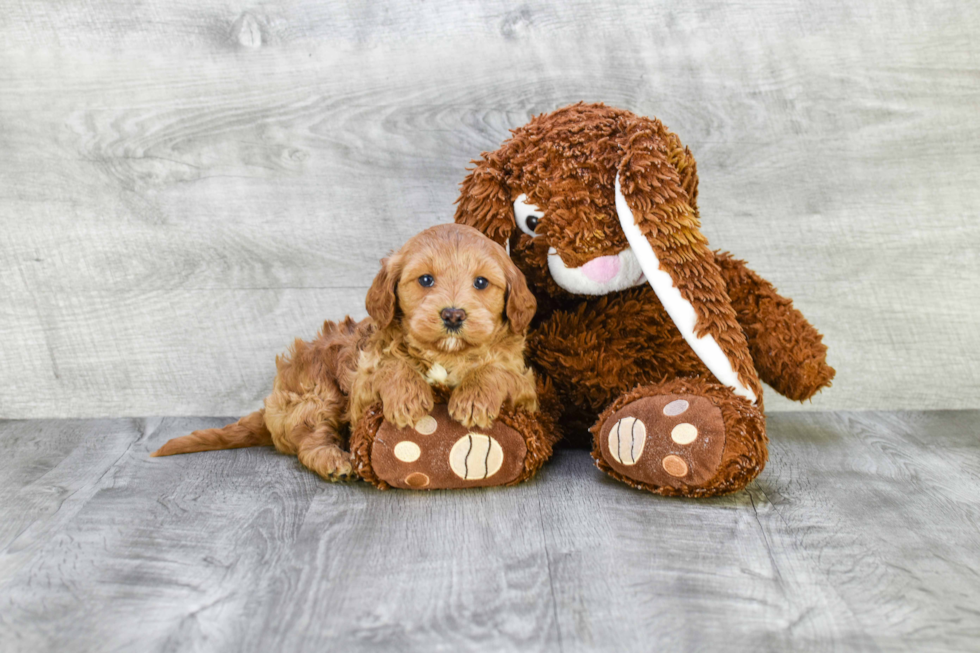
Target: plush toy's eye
(527, 216)
(480, 283)
(426, 280)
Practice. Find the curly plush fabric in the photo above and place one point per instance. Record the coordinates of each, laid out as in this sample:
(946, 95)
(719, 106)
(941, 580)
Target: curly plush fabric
(604, 349)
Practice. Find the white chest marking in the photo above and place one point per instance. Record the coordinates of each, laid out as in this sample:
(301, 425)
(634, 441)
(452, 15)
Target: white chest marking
(437, 374)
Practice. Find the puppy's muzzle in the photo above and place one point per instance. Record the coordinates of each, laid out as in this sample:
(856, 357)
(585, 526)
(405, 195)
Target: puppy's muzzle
(453, 318)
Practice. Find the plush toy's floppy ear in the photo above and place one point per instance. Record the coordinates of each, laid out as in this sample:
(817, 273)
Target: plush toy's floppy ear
(661, 224)
(484, 199)
(683, 162)
(521, 304)
(381, 297)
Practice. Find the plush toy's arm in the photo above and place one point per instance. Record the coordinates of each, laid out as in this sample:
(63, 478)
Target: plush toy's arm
(788, 351)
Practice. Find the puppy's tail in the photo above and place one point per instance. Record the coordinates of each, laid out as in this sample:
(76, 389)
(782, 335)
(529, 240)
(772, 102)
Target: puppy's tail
(249, 431)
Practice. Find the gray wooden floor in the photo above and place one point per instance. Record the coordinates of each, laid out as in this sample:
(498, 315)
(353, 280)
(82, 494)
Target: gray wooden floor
(862, 534)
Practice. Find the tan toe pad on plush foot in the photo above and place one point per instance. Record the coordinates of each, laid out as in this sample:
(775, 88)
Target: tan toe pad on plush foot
(439, 453)
(666, 440)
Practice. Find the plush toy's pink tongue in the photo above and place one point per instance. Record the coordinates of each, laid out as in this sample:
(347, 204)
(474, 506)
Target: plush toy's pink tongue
(601, 269)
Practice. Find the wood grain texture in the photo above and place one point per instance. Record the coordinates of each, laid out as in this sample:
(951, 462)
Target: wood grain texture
(186, 187)
(861, 534)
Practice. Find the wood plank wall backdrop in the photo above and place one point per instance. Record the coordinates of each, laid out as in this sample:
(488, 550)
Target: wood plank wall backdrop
(185, 186)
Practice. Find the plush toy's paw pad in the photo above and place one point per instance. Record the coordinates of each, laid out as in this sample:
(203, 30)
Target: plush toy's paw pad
(439, 453)
(670, 440)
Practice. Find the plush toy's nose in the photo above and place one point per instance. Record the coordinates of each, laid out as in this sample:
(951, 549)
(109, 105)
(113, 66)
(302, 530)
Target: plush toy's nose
(601, 269)
(453, 317)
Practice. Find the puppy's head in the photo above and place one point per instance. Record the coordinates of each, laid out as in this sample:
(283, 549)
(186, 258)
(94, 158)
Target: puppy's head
(450, 288)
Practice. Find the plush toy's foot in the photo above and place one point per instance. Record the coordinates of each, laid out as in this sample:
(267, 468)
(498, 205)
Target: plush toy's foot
(686, 437)
(439, 453)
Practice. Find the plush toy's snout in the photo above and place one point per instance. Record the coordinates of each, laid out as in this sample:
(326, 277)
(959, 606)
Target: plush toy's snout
(598, 276)
(601, 269)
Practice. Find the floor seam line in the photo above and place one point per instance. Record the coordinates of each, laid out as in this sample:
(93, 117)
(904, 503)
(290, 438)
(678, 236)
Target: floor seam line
(551, 579)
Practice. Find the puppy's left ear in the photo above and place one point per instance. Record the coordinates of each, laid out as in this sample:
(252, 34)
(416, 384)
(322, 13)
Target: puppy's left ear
(521, 304)
(382, 298)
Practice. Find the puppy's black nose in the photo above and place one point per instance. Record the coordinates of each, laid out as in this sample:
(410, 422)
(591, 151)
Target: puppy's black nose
(453, 317)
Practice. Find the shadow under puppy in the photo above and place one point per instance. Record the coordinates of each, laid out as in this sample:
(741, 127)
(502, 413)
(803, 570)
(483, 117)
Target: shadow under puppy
(449, 308)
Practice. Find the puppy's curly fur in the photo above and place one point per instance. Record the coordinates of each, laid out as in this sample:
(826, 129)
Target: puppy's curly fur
(323, 387)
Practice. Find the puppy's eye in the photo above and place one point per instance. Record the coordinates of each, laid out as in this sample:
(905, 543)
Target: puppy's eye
(527, 216)
(480, 283)
(426, 280)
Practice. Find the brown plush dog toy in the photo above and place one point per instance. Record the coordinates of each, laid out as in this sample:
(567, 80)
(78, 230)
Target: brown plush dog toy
(648, 337)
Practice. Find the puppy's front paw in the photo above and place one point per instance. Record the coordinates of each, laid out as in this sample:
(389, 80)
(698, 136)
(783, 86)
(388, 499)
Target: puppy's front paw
(329, 461)
(474, 406)
(406, 407)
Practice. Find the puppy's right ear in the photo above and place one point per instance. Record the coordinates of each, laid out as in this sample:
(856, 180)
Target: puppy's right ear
(484, 199)
(520, 302)
(382, 298)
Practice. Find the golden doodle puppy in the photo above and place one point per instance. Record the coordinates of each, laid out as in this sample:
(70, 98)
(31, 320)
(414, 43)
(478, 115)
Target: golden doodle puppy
(449, 308)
